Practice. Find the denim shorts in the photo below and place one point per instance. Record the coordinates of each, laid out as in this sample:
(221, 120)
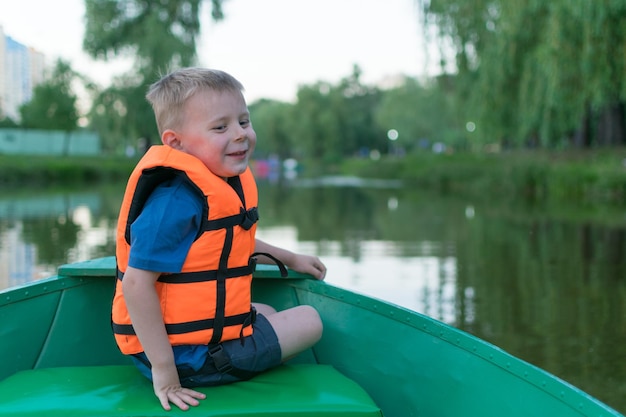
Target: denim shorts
(248, 357)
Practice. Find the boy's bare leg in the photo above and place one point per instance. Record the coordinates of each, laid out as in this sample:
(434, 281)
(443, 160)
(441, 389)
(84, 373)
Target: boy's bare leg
(298, 328)
(265, 309)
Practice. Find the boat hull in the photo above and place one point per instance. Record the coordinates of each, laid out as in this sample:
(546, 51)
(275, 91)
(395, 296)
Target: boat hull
(410, 364)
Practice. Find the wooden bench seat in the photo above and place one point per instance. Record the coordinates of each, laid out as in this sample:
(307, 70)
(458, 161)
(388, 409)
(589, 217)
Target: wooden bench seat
(289, 390)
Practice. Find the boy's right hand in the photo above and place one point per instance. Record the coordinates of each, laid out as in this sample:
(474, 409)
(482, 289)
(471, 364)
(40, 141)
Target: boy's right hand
(168, 390)
(145, 312)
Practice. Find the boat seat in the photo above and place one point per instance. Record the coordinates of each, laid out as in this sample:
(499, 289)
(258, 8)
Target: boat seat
(289, 390)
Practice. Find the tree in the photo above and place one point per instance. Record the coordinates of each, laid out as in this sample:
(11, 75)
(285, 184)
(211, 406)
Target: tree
(546, 73)
(160, 35)
(421, 114)
(337, 121)
(355, 105)
(7, 122)
(53, 106)
(108, 117)
(272, 123)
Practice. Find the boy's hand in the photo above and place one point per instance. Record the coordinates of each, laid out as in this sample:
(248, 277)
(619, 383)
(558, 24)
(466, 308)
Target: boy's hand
(307, 264)
(145, 312)
(168, 390)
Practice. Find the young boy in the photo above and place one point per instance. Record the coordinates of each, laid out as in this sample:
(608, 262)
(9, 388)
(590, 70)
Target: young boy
(185, 240)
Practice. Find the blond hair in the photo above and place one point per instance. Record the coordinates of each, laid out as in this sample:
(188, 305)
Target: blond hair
(169, 95)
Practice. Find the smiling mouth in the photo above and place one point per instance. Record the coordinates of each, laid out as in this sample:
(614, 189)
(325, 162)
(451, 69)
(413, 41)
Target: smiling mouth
(239, 153)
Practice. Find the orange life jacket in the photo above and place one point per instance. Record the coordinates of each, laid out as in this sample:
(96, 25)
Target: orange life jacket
(209, 301)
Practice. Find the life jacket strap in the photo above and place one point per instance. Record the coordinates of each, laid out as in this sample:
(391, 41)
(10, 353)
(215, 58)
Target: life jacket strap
(245, 219)
(247, 322)
(200, 276)
(278, 262)
(187, 327)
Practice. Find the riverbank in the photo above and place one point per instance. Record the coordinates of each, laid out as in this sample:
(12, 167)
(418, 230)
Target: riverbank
(588, 177)
(40, 171)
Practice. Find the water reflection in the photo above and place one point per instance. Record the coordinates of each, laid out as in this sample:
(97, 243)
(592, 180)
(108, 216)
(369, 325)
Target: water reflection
(41, 231)
(546, 284)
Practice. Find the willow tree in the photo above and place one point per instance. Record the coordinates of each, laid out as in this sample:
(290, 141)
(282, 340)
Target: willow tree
(157, 35)
(547, 73)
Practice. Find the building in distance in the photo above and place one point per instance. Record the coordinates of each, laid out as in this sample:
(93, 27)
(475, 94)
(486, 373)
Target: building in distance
(21, 69)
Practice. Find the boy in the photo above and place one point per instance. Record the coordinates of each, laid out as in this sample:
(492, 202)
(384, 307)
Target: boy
(185, 240)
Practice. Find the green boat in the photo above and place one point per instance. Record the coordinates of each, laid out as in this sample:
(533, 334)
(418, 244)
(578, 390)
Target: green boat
(59, 359)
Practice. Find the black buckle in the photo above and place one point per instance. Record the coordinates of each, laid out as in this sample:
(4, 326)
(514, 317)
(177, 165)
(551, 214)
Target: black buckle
(220, 359)
(249, 217)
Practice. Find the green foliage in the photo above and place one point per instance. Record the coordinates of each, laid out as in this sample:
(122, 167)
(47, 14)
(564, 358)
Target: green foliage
(116, 113)
(29, 170)
(421, 114)
(157, 33)
(272, 122)
(53, 106)
(589, 177)
(537, 72)
(329, 123)
(8, 123)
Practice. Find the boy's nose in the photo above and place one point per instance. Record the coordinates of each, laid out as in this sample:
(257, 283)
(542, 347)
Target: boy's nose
(240, 133)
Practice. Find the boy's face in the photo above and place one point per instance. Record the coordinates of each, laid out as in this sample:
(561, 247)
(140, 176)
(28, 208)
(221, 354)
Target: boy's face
(216, 129)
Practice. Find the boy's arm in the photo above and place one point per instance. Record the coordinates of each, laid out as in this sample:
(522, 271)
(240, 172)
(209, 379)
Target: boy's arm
(302, 263)
(144, 308)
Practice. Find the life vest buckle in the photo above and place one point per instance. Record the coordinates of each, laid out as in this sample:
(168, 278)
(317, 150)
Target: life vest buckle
(220, 359)
(249, 217)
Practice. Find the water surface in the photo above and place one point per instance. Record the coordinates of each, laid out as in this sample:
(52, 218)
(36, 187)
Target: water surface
(547, 284)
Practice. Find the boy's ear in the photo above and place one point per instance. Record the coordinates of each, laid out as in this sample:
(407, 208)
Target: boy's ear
(170, 138)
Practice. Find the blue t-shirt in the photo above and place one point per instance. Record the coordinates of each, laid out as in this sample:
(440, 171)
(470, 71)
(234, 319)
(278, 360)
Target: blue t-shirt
(167, 226)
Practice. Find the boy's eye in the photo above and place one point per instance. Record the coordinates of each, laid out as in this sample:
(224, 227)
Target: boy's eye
(220, 127)
(244, 122)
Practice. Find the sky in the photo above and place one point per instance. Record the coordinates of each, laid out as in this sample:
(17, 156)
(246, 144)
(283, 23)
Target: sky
(271, 46)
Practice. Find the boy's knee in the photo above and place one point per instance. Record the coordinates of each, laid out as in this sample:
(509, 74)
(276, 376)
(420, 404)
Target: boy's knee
(314, 321)
(264, 309)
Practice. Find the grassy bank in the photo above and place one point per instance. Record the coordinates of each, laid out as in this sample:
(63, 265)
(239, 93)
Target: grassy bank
(590, 177)
(21, 170)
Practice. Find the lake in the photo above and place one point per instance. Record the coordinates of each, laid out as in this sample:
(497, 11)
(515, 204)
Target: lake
(545, 283)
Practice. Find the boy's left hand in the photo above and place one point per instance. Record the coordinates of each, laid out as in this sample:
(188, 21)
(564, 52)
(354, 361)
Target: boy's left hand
(307, 264)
